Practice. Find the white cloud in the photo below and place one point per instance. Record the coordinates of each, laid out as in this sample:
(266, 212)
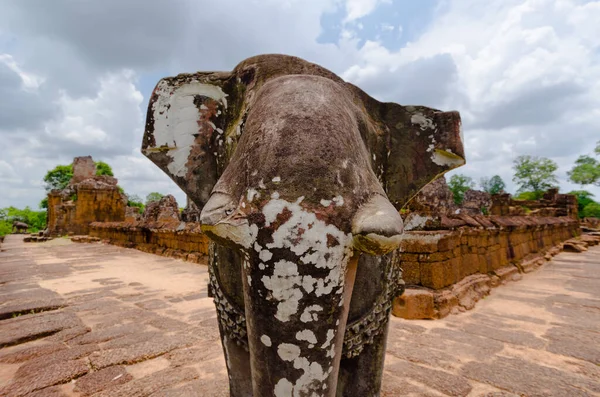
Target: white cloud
(525, 78)
(525, 74)
(29, 81)
(109, 122)
(356, 9)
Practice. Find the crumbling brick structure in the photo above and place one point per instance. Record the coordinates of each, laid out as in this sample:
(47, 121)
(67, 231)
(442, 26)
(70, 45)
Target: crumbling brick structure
(551, 204)
(448, 270)
(160, 230)
(88, 198)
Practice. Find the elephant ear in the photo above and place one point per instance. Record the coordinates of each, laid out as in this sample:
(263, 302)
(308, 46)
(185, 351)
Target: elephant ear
(411, 146)
(192, 127)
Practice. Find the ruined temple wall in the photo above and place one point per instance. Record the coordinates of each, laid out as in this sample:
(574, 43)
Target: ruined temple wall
(90, 205)
(95, 205)
(187, 243)
(61, 215)
(438, 259)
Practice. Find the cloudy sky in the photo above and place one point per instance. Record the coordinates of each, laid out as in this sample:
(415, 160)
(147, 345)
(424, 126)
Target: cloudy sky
(75, 75)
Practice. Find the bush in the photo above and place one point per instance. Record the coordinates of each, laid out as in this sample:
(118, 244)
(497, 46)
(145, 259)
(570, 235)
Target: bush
(592, 210)
(530, 196)
(35, 219)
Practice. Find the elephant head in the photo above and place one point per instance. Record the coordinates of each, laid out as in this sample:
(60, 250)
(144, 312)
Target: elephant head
(300, 172)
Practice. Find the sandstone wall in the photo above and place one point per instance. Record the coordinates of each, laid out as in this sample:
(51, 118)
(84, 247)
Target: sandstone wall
(437, 259)
(551, 204)
(66, 216)
(450, 270)
(184, 241)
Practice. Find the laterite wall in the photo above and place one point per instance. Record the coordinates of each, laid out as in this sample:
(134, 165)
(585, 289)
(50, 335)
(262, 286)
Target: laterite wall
(438, 259)
(168, 239)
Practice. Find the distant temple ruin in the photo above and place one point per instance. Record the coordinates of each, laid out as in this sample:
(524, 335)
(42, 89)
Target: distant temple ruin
(88, 198)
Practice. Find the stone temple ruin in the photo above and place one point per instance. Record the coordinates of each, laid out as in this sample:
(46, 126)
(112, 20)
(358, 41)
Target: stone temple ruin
(88, 198)
(426, 258)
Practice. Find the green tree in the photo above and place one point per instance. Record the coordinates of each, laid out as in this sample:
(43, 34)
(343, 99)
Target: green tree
(534, 174)
(586, 170)
(58, 177)
(133, 200)
(103, 169)
(583, 199)
(44, 203)
(154, 196)
(459, 184)
(592, 210)
(493, 185)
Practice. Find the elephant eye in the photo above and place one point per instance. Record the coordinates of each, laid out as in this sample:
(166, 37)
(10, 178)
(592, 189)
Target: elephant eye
(228, 212)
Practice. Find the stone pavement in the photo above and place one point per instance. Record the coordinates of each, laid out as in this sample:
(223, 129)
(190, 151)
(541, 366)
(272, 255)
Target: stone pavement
(94, 319)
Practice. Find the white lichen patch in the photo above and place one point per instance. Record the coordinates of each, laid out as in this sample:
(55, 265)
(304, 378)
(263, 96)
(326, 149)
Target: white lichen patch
(309, 314)
(329, 338)
(283, 388)
(423, 122)
(265, 255)
(312, 378)
(266, 340)
(306, 335)
(447, 159)
(261, 184)
(288, 351)
(415, 221)
(277, 179)
(176, 119)
(338, 200)
(275, 195)
(325, 203)
(309, 238)
(252, 193)
(283, 286)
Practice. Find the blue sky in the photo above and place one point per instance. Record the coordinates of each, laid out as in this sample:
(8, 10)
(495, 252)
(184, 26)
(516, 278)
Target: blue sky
(523, 73)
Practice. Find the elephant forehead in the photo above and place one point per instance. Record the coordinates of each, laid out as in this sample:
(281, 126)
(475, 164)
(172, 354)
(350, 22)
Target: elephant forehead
(302, 139)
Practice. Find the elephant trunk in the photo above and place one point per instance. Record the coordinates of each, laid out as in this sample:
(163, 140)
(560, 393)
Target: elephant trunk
(296, 316)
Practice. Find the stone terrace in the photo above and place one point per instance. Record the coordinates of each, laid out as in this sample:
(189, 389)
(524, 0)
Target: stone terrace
(94, 319)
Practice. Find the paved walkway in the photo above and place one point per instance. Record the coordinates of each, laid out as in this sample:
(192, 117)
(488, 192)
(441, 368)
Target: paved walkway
(93, 319)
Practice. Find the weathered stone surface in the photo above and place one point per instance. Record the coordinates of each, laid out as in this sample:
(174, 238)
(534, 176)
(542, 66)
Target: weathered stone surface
(30, 307)
(537, 337)
(100, 380)
(139, 351)
(35, 326)
(443, 382)
(414, 304)
(85, 239)
(106, 334)
(427, 207)
(62, 371)
(574, 246)
(528, 378)
(476, 202)
(164, 210)
(148, 385)
(191, 212)
(30, 353)
(83, 168)
(578, 344)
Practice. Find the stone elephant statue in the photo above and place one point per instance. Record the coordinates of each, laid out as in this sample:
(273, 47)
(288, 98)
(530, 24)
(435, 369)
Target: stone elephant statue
(300, 177)
(19, 227)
